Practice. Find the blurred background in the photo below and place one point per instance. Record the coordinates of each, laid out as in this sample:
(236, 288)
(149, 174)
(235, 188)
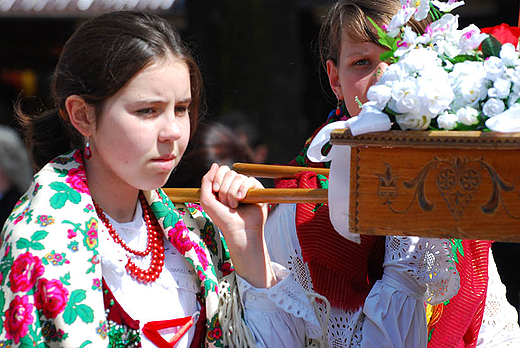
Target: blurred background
(258, 57)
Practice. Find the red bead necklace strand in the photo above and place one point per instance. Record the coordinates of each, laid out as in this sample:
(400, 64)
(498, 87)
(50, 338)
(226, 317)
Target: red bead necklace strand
(154, 244)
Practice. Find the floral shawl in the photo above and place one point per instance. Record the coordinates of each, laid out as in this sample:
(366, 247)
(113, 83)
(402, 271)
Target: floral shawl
(50, 272)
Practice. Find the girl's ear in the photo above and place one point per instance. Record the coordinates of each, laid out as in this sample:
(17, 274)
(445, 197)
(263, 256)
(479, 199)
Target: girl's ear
(81, 114)
(335, 84)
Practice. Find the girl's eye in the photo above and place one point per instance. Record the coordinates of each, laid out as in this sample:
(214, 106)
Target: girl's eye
(181, 110)
(146, 111)
(362, 62)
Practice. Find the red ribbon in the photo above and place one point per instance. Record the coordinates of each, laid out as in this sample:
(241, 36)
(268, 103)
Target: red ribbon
(151, 330)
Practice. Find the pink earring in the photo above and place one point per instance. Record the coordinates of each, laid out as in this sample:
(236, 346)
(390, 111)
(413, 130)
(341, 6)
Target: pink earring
(88, 151)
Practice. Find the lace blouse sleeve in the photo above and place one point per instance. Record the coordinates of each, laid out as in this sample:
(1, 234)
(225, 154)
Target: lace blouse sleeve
(416, 270)
(500, 321)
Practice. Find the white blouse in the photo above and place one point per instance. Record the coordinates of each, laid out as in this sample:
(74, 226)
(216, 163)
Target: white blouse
(415, 270)
(278, 317)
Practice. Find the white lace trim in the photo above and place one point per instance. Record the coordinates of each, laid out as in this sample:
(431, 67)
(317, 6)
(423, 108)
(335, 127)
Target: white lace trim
(429, 261)
(499, 323)
(300, 270)
(288, 296)
(344, 328)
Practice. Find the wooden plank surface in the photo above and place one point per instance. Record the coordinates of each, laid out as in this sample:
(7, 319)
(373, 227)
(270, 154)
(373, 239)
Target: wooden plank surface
(455, 193)
(429, 139)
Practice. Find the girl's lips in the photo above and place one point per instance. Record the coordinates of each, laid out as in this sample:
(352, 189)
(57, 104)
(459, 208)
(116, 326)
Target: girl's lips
(166, 162)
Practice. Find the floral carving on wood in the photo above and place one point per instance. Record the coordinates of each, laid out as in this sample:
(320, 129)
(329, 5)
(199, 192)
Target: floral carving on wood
(457, 179)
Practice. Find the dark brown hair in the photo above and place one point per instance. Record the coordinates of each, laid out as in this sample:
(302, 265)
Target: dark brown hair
(352, 16)
(102, 55)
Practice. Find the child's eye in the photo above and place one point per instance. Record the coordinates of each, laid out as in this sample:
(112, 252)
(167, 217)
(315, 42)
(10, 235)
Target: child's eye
(181, 110)
(362, 62)
(146, 111)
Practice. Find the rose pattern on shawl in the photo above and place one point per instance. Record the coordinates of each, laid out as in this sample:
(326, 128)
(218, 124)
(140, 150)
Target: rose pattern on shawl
(71, 233)
(208, 236)
(88, 208)
(91, 235)
(18, 317)
(21, 201)
(37, 188)
(52, 334)
(225, 267)
(192, 207)
(55, 259)
(73, 246)
(178, 236)
(96, 284)
(23, 214)
(51, 297)
(44, 220)
(201, 275)
(214, 330)
(77, 179)
(25, 272)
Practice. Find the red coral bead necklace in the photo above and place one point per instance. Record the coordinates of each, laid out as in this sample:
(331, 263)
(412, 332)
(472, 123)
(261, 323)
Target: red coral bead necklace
(154, 245)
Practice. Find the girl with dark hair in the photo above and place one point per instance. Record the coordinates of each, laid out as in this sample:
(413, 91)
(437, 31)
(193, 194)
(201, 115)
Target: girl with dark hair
(384, 291)
(94, 253)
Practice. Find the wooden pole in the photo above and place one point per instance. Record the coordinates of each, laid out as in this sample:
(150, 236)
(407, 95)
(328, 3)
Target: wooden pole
(274, 171)
(192, 195)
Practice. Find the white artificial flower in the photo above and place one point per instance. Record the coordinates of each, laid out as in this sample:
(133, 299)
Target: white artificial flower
(444, 35)
(407, 42)
(509, 55)
(447, 120)
(472, 92)
(399, 20)
(419, 61)
(380, 94)
(469, 83)
(493, 107)
(413, 121)
(514, 98)
(421, 8)
(467, 115)
(515, 79)
(447, 6)
(494, 67)
(394, 72)
(501, 88)
(404, 96)
(436, 94)
(470, 38)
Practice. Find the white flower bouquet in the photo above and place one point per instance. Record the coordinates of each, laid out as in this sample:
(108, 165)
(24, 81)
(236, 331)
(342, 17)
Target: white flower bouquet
(447, 78)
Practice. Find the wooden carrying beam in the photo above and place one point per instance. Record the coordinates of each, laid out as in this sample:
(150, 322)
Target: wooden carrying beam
(192, 195)
(274, 171)
(293, 195)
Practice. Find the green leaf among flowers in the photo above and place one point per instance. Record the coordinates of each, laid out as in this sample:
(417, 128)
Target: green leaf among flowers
(386, 41)
(491, 47)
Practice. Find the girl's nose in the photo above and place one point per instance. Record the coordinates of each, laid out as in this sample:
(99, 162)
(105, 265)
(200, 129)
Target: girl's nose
(170, 129)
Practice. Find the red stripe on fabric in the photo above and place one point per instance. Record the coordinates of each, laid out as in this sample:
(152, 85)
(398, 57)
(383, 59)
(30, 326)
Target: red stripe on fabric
(341, 270)
(461, 319)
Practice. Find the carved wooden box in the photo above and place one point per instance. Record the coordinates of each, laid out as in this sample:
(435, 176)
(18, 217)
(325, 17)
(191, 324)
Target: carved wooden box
(435, 183)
